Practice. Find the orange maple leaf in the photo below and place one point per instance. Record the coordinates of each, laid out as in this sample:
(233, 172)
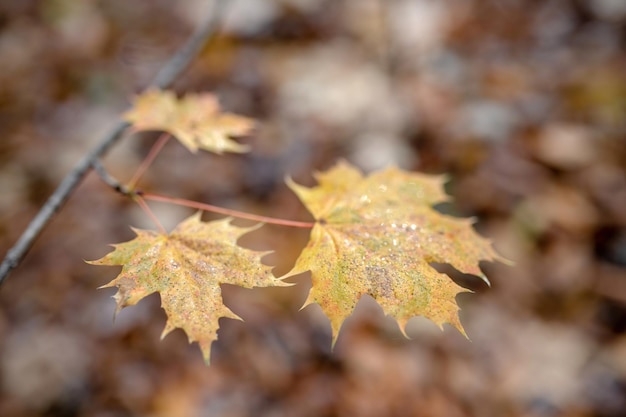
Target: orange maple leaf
(377, 235)
(195, 120)
(187, 267)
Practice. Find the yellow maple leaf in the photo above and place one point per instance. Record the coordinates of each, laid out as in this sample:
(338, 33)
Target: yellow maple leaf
(187, 267)
(377, 235)
(195, 120)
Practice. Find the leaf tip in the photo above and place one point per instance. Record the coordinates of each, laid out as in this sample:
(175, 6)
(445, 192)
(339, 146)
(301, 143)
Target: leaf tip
(239, 148)
(402, 325)
(109, 285)
(505, 261)
(290, 182)
(485, 280)
(461, 330)
(279, 282)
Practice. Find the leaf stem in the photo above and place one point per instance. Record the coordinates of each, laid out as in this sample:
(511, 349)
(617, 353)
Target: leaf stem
(225, 211)
(145, 164)
(144, 206)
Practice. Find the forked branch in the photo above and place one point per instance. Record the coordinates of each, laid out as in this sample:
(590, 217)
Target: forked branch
(168, 73)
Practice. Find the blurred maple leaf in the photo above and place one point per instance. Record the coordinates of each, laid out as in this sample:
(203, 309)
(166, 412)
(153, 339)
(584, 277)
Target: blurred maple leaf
(195, 120)
(187, 267)
(377, 235)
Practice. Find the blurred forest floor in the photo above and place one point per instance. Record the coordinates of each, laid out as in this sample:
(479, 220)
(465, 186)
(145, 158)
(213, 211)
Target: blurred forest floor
(521, 102)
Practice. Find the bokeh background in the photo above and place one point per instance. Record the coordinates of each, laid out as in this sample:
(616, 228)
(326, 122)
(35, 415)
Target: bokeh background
(521, 102)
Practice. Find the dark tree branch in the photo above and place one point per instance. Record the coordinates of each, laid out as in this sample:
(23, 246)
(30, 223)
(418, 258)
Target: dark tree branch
(168, 73)
(108, 179)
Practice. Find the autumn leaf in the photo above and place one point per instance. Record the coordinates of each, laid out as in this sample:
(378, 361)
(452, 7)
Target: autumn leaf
(377, 235)
(195, 120)
(187, 267)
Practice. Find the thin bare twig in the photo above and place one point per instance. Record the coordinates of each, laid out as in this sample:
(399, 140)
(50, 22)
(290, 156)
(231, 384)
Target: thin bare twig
(168, 73)
(109, 179)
